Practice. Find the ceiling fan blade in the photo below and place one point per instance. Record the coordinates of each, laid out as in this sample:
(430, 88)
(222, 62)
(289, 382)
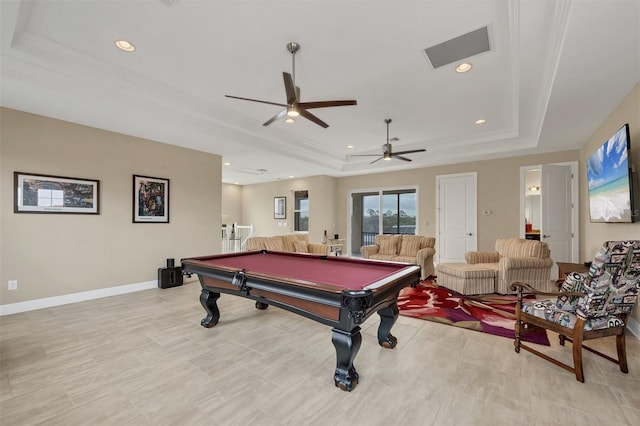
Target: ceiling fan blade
(399, 157)
(327, 104)
(255, 100)
(413, 151)
(377, 159)
(306, 114)
(275, 117)
(289, 88)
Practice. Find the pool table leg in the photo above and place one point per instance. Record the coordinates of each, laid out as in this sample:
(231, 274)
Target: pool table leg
(347, 344)
(388, 317)
(208, 301)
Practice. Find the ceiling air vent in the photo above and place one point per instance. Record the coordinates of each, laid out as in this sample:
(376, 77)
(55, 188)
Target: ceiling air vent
(459, 48)
(169, 3)
(255, 172)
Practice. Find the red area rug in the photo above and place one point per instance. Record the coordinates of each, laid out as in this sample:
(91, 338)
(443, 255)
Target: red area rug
(488, 313)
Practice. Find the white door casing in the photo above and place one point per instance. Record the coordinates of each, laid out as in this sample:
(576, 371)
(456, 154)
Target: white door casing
(456, 215)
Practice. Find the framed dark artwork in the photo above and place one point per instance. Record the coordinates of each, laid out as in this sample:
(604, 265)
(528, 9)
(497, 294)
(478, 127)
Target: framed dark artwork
(280, 207)
(150, 199)
(35, 193)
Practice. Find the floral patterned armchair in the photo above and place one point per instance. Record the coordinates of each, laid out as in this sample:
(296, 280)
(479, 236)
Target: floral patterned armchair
(591, 305)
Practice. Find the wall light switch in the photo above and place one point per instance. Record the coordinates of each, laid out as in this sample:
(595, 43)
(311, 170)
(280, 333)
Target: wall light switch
(13, 284)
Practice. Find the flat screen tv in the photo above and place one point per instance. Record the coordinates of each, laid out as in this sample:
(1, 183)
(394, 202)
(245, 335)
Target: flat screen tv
(611, 181)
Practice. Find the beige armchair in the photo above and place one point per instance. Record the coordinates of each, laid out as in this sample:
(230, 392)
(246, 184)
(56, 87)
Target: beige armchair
(403, 248)
(514, 260)
(294, 243)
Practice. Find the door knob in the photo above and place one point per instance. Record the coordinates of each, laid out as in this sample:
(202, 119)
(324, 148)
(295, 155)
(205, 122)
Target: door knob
(469, 234)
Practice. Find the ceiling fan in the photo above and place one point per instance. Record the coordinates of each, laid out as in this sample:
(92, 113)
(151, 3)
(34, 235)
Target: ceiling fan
(294, 107)
(387, 152)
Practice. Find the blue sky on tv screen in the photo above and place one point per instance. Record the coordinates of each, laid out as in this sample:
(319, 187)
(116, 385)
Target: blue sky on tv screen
(610, 161)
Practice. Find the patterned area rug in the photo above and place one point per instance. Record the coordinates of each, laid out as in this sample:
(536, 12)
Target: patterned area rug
(488, 313)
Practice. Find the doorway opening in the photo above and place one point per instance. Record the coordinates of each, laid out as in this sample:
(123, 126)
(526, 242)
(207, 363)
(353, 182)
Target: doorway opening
(549, 208)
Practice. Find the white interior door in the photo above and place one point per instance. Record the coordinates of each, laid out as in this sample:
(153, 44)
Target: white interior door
(556, 205)
(456, 201)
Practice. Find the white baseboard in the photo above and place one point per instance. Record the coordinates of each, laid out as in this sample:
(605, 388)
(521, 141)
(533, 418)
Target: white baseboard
(31, 305)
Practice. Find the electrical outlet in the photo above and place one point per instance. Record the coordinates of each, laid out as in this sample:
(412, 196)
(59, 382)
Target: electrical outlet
(13, 284)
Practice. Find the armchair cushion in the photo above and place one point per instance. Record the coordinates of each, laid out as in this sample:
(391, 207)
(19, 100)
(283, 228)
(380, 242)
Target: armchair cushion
(613, 281)
(573, 283)
(368, 251)
(274, 244)
(473, 257)
(517, 247)
(410, 244)
(546, 309)
(388, 244)
(300, 247)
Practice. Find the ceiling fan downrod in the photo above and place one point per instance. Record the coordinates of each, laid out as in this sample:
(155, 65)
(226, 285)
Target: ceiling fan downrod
(293, 47)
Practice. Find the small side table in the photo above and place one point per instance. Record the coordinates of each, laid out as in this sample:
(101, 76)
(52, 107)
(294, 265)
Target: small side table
(335, 246)
(566, 268)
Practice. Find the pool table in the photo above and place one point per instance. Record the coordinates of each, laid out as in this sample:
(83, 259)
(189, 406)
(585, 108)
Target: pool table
(339, 292)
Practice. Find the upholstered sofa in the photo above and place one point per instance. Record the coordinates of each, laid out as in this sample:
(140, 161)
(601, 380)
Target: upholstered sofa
(514, 259)
(403, 248)
(293, 243)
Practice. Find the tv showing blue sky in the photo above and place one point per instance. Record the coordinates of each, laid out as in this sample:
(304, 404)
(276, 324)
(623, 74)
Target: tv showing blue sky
(608, 177)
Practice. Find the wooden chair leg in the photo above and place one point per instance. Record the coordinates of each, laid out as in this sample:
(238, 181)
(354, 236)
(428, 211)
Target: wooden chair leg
(622, 352)
(577, 352)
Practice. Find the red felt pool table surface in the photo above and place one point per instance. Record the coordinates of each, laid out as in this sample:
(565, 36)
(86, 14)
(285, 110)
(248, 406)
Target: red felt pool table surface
(338, 272)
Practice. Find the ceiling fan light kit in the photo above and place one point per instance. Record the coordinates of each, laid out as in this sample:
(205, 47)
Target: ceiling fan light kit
(294, 107)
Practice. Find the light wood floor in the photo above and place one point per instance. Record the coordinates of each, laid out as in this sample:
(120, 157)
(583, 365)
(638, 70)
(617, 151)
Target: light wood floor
(144, 359)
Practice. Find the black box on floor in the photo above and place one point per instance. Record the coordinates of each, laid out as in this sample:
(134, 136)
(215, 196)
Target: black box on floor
(169, 277)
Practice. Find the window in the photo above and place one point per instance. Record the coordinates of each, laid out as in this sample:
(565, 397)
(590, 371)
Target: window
(383, 212)
(399, 212)
(301, 211)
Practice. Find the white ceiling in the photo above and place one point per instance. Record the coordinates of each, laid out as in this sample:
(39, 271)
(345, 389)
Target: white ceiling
(555, 71)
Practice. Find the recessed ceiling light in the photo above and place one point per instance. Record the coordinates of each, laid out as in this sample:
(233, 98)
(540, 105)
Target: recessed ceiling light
(349, 146)
(227, 164)
(464, 67)
(289, 120)
(125, 45)
(481, 121)
(236, 183)
(290, 176)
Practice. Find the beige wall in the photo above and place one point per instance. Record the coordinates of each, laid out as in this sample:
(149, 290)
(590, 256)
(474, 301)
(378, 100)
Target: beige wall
(258, 210)
(596, 233)
(58, 254)
(232, 204)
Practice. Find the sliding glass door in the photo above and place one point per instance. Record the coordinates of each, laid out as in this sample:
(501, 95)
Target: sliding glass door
(399, 213)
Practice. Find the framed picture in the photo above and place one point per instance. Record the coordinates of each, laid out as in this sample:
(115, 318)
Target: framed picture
(150, 199)
(280, 207)
(34, 193)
